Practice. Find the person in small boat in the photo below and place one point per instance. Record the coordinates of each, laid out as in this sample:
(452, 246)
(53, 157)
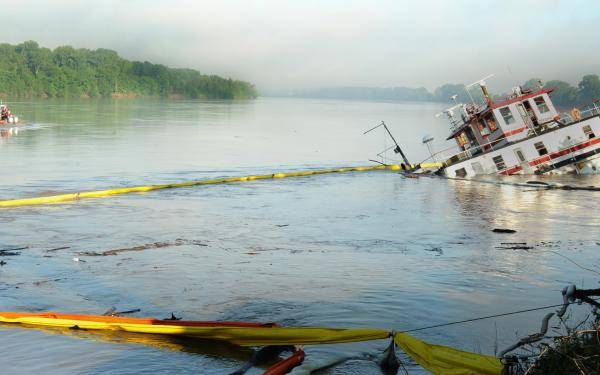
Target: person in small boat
(3, 112)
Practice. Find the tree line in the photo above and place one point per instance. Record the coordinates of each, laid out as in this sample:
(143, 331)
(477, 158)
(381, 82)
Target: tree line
(28, 70)
(564, 96)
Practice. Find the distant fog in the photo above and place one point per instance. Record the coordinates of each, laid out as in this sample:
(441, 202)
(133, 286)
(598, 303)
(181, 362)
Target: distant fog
(279, 44)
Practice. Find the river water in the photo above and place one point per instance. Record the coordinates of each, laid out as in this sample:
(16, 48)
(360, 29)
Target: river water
(369, 249)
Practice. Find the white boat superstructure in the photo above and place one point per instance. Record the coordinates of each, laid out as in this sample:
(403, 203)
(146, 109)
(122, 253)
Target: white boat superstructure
(522, 133)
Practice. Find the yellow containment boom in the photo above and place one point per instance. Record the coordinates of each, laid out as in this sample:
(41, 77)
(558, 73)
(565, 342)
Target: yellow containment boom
(446, 360)
(436, 358)
(142, 189)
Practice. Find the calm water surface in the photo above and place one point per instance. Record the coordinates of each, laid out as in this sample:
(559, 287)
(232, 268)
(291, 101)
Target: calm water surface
(352, 250)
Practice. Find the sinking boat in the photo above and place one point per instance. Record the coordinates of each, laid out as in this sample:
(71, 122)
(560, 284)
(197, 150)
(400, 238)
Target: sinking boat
(521, 133)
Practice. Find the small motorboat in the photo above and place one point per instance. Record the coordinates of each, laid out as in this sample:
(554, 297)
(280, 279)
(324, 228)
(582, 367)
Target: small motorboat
(6, 117)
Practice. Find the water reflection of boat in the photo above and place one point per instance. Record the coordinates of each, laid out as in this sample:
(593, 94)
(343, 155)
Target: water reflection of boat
(162, 342)
(8, 132)
(521, 133)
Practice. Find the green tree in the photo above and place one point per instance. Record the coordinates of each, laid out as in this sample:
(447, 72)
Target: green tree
(564, 94)
(28, 70)
(589, 88)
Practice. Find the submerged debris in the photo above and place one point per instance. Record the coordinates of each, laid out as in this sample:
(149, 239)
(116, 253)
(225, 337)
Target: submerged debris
(42, 282)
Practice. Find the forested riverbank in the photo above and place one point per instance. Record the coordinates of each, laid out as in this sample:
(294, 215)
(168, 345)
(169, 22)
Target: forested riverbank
(28, 70)
(564, 95)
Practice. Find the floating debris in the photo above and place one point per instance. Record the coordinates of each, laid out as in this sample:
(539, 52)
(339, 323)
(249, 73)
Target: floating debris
(154, 245)
(515, 247)
(58, 248)
(438, 250)
(7, 253)
(12, 252)
(503, 230)
(113, 312)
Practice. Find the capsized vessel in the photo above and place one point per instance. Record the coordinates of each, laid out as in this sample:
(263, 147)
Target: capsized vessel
(521, 133)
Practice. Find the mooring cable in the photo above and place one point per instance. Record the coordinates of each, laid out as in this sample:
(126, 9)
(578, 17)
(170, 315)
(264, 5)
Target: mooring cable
(489, 317)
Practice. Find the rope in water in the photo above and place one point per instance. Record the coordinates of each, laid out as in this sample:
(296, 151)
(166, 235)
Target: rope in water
(489, 317)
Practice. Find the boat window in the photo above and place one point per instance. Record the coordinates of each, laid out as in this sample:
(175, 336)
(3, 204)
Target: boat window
(507, 115)
(499, 161)
(491, 123)
(541, 104)
(520, 155)
(462, 139)
(483, 129)
(587, 130)
(541, 149)
(460, 172)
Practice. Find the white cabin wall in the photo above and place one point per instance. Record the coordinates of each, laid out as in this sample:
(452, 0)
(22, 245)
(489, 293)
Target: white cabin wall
(507, 128)
(543, 117)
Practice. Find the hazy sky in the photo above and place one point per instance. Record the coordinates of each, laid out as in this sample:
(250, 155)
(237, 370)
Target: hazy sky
(309, 43)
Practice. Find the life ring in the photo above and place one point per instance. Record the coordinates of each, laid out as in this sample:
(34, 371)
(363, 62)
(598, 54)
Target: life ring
(576, 114)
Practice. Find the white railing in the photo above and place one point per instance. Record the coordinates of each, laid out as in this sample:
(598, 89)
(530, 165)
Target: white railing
(445, 155)
(589, 111)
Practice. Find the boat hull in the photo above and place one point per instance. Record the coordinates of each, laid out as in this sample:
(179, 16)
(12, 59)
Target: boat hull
(571, 149)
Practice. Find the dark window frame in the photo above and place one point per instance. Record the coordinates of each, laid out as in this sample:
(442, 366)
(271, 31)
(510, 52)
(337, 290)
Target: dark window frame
(499, 161)
(541, 104)
(541, 148)
(507, 115)
(462, 172)
(587, 130)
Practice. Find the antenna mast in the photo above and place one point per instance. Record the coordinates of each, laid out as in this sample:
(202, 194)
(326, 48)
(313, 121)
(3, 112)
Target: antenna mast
(397, 149)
